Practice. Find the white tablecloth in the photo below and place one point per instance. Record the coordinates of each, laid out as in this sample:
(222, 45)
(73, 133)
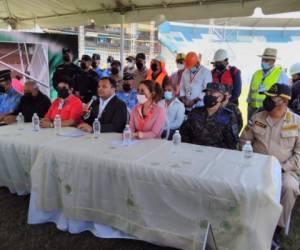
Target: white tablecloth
(145, 190)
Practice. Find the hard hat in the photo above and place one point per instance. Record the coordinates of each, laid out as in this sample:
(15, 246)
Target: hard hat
(220, 55)
(191, 60)
(295, 69)
(160, 59)
(180, 56)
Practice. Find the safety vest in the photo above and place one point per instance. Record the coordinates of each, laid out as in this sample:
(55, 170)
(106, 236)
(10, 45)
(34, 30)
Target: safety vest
(258, 81)
(159, 79)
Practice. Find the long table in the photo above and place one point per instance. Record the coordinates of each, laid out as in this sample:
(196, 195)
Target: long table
(148, 190)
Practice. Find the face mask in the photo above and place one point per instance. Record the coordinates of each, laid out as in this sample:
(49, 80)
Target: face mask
(141, 99)
(28, 95)
(269, 104)
(140, 65)
(220, 66)
(66, 58)
(265, 66)
(2, 89)
(126, 87)
(94, 65)
(114, 71)
(194, 70)
(63, 93)
(154, 67)
(168, 95)
(83, 65)
(180, 66)
(130, 65)
(210, 101)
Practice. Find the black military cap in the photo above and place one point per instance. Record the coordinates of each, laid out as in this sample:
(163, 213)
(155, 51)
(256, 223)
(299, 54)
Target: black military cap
(5, 75)
(140, 56)
(85, 58)
(96, 56)
(217, 87)
(279, 89)
(66, 50)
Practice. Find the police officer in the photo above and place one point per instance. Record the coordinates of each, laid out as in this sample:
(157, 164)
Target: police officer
(67, 68)
(87, 83)
(275, 131)
(211, 125)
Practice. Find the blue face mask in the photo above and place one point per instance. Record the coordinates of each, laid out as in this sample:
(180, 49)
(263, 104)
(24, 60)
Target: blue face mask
(265, 66)
(168, 95)
(194, 69)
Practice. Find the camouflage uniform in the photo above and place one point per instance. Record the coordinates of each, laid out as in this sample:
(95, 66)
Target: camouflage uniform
(219, 130)
(237, 113)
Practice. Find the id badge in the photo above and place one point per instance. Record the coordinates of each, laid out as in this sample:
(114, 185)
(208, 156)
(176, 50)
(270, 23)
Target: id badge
(189, 92)
(261, 89)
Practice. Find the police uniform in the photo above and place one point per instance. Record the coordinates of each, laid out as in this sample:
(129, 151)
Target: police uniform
(280, 139)
(218, 130)
(237, 113)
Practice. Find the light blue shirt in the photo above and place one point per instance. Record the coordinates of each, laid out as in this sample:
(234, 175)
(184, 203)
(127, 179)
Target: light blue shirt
(9, 101)
(130, 98)
(103, 104)
(175, 113)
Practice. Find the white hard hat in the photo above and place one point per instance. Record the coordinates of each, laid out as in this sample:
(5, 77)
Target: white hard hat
(295, 69)
(220, 55)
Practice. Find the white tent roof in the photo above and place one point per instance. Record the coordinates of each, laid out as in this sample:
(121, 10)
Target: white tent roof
(23, 14)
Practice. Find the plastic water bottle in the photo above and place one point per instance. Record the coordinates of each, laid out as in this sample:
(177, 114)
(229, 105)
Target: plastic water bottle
(176, 139)
(96, 128)
(20, 121)
(57, 124)
(247, 150)
(35, 122)
(127, 136)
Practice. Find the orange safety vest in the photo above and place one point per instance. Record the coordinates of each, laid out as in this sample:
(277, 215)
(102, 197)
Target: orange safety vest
(159, 79)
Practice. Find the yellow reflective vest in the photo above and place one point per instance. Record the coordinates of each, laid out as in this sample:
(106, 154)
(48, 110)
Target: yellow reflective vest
(259, 82)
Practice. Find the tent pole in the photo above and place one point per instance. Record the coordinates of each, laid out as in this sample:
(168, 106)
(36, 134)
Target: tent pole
(122, 49)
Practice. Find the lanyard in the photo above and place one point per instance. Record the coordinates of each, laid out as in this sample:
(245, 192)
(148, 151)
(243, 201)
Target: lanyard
(192, 78)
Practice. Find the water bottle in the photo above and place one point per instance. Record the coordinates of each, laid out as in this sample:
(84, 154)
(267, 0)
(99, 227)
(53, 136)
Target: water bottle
(35, 122)
(127, 136)
(20, 121)
(176, 138)
(247, 150)
(57, 124)
(96, 128)
(176, 142)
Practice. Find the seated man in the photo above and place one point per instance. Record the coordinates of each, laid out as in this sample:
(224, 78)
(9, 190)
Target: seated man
(9, 97)
(275, 131)
(67, 105)
(211, 125)
(128, 94)
(174, 108)
(111, 112)
(33, 101)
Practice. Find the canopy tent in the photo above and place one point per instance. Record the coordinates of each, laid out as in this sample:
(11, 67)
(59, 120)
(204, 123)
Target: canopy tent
(55, 14)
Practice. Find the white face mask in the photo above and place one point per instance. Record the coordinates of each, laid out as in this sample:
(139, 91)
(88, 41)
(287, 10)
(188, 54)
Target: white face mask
(141, 99)
(130, 65)
(180, 66)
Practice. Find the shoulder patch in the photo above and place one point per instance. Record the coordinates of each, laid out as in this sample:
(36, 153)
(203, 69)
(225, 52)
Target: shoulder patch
(260, 124)
(288, 116)
(290, 127)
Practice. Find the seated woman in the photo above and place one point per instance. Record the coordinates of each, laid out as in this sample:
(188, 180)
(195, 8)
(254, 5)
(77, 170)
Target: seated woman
(174, 108)
(148, 119)
(67, 105)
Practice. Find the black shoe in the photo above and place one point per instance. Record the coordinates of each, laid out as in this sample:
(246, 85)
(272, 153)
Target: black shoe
(275, 245)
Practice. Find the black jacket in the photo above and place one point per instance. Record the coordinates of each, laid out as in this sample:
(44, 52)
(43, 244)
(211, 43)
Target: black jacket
(113, 118)
(86, 85)
(71, 70)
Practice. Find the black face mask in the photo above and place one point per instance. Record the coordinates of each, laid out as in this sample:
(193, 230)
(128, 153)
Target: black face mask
(154, 67)
(115, 71)
(210, 101)
(62, 93)
(139, 65)
(220, 66)
(66, 58)
(2, 89)
(28, 95)
(126, 87)
(94, 65)
(269, 104)
(83, 65)
(295, 80)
